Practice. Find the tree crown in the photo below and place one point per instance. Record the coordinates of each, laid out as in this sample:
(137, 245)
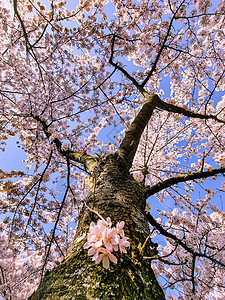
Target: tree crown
(141, 79)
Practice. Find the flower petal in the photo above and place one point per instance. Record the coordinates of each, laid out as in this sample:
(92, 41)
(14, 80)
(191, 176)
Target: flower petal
(112, 258)
(105, 261)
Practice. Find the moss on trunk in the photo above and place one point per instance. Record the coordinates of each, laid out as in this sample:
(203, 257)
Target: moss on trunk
(117, 195)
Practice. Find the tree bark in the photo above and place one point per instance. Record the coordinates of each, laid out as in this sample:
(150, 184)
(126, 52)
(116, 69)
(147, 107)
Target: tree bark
(117, 195)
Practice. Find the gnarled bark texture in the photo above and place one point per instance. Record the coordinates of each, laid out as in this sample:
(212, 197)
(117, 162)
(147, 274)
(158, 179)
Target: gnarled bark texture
(117, 195)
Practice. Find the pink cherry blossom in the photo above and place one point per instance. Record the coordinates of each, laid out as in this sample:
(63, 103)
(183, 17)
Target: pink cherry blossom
(109, 222)
(96, 234)
(105, 257)
(123, 243)
(110, 238)
(102, 240)
(119, 228)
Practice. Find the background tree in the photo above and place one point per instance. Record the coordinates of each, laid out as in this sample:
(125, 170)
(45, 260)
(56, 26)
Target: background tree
(114, 103)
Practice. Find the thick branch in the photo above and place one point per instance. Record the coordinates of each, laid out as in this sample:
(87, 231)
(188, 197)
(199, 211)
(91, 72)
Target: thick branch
(118, 67)
(132, 137)
(86, 160)
(22, 24)
(185, 112)
(182, 178)
(165, 233)
(159, 54)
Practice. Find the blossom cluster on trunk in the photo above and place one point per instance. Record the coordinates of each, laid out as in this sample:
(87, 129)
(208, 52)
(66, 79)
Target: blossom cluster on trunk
(103, 239)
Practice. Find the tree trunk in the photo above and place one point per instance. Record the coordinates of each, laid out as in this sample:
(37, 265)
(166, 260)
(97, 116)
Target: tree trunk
(117, 195)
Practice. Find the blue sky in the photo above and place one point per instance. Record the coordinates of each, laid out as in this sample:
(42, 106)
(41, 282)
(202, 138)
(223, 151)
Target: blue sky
(13, 156)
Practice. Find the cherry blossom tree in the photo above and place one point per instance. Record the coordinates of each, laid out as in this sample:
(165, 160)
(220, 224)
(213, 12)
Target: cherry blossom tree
(121, 106)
